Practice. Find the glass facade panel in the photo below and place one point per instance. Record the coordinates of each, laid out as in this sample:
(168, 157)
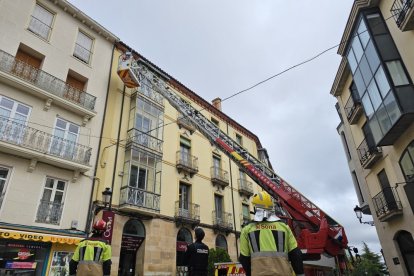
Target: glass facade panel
(358, 51)
(376, 24)
(359, 82)
(372, 56)
(387, 48)
(351, 60)
(365, 70)
(392, 108)
(383, 119)
(366, 102)
(363, 33)
(407, 166)
(375, 129)
(382, 82)
(374, 95)
(397, 72)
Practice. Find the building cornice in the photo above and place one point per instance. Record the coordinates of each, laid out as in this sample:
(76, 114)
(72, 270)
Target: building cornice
(86, 20)
(340, 78)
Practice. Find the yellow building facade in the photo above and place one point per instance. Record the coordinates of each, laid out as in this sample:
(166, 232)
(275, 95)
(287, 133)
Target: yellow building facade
(167, 178)
(375, 93)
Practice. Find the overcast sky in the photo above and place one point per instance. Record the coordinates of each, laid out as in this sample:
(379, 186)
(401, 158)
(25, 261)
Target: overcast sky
(217, 48)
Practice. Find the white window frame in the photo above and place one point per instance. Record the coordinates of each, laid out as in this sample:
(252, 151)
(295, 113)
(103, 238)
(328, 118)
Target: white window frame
(79, 47)
(62, 148)
(10, 120)
(52, 196)
(6, 183)
(34, 20)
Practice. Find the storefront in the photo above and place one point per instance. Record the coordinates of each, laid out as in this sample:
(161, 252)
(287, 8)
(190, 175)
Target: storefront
(34, 253)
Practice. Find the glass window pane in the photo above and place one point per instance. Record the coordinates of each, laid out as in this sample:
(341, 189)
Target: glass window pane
(407, 167)
(376, 24)
(22, 109)
(372, 57)
(4, 102)
(392, 108)
(49, 183)
(365, 70)
(61, 185)
(363, 33)
(386, 47)
(366, 102)
(47, 194)
(84, 41)
(358, 51)
(375, 129)
(60, 124)
(352, 61)
(374, 95)
(383, 119)
(43, 15)
(359, 82)
(397, 72)
(73, 128)
(382, 82)
(58, 197)
(134, 176)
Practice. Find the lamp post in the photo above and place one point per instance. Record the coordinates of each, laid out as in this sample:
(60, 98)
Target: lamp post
(358, 213)
(106, 196)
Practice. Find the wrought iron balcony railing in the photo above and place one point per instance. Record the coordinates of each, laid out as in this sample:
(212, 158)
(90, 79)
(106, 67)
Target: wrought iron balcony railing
(145, 140)
(219, 176)
(245, 187)
(187, 211)
(151, 94)
(387, 203)
(368, 155)
(49, 212)
(222, 221)
(38, 27)
(186, 163)
(140, 198)
(15, 133)
(353, 110)
(9, 64)
(400, 9)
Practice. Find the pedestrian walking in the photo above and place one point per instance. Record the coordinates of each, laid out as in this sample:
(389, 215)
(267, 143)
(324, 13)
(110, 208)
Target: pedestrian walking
(197, 255)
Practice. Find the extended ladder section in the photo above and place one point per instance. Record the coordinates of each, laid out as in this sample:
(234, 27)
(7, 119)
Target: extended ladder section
(316, 233)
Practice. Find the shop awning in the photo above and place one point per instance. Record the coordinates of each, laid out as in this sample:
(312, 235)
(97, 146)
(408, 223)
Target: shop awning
(38, 237)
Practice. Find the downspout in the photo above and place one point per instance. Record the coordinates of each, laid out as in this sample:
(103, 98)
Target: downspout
(232, 198)
(89, 217)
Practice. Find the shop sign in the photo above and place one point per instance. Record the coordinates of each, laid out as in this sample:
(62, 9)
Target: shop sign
(26, 265)
(20, 235)
(24, 254)
(229, 269)
(131, 243)
(181, 246)
(108, 217)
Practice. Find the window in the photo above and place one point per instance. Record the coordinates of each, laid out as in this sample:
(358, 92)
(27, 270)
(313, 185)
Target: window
(4, 173)
(185, 150)
(41, 22)
(221, 242)
(13, 119)
(407, 163)
(27, 64)
(216, 166)
(345, 144)
(357, 187)
(83, 47)
(214, 121)
(138, 177)
(406, 244)
(218, 204)
(65, 138)
(239, 139)
(75, 86)
(184, 200)
(51, 203)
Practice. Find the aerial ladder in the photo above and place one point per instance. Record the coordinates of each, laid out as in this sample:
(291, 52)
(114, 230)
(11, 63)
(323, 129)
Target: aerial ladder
(315, 231)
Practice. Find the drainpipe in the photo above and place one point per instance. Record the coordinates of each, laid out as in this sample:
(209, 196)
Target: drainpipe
(232, 198)
(94, 178)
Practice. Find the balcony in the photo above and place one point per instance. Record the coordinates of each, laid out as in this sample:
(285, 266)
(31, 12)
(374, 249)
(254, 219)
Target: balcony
(402, 11)
(139, 200)
(19, 139)
(353, 110)
(219, 177)
(189, 214)
(368, 155)
(144, 140)
(49, 212)
(186, 163)
(245, 187)
(184, 122)
(35, 81)
(151, 94)
(222, 222)
(387, 204)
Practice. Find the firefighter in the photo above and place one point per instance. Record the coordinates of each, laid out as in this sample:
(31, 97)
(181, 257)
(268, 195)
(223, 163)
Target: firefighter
(92, 257)
(197, 255)
(267, 244)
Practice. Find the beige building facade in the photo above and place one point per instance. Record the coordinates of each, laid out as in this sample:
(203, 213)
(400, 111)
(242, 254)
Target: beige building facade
(53, 91)
(375, 93)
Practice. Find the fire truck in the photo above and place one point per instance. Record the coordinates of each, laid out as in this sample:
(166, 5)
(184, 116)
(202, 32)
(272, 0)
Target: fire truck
(315, 231)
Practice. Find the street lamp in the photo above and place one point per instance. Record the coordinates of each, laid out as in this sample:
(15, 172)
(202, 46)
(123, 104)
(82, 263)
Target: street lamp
(358, 213)
(106, 196)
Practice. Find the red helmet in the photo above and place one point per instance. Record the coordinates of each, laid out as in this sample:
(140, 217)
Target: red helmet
(100, 225)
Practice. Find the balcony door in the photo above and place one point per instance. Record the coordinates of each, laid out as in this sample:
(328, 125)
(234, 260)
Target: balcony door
(65, 138)
(138, 185)
(390, 203)
(13, 120)
(184, 200)
(218, 204)
(143, 124)
(185, 150)
(51, 203)
(4, 174)
(216, 166)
